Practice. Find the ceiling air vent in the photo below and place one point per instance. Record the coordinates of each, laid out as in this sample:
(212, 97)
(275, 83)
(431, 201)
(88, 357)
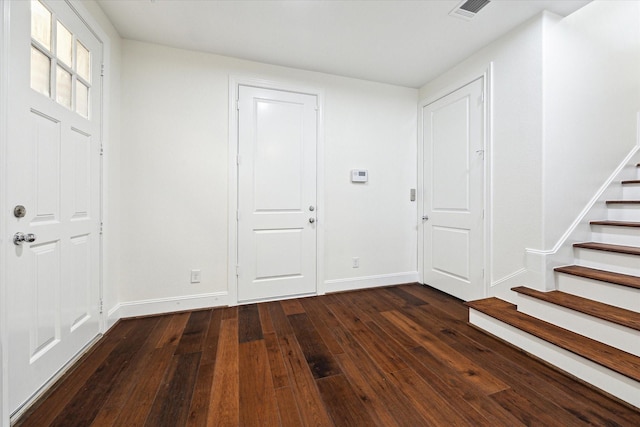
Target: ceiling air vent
(467, 9)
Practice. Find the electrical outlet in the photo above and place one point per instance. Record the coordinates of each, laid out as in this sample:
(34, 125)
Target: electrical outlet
(356, 262)
(195, 276)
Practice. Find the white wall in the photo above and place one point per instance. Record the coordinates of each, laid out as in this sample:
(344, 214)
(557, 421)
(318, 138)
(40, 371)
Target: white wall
(173, 170)
(514, 151)
(591, 102)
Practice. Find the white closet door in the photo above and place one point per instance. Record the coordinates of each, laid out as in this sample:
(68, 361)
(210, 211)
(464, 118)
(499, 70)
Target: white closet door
(453, 138)
(277, 194)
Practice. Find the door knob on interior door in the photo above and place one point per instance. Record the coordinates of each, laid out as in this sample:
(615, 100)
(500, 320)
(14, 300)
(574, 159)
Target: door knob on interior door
(312, 220)
(20, 238)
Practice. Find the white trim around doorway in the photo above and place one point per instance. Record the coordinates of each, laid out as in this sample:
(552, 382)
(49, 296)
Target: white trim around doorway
(232, 255)
(486, 73)
(4, 87)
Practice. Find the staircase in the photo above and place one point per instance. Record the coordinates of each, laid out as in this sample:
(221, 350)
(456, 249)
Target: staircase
(590, 325)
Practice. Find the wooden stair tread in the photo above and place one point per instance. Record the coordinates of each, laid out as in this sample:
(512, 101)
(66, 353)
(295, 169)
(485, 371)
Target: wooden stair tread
(617, 223)
(610, 357)
(631, 181)
(601, 275)
(630, 250)
(620, 316)
(623, 202)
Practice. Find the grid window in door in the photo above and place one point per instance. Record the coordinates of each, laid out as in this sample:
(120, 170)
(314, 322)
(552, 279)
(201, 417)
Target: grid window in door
(60, 63)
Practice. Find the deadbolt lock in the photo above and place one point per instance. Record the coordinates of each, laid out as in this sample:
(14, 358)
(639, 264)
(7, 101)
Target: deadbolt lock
(19, 211)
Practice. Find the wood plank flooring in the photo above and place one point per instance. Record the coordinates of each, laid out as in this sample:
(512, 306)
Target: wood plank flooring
(396, 356)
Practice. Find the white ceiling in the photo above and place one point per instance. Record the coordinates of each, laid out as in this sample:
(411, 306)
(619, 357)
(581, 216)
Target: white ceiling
(405, 43)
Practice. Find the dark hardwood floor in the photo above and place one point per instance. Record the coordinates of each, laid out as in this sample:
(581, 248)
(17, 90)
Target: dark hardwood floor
(396, 356)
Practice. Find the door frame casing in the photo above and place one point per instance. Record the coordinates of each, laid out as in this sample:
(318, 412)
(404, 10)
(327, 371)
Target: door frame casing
(5, 48)
(485, 73)
(4, 87)
(232, 252)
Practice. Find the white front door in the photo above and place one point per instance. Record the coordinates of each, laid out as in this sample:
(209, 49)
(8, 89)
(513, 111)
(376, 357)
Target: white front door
(277, 137)
(53, 181)
(453, 141)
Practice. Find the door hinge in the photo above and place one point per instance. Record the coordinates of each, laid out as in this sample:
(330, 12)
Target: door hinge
(102, 70)
(483, 273)
(237, 270)
(482, 97)
(237, 215)
(101, 151)
(238, 104)
(238, 159)
(101, 227)
(101, 305)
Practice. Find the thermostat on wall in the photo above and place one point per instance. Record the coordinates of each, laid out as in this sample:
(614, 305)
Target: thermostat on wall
(359, 175)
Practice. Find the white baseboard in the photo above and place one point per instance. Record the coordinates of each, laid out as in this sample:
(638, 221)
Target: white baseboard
(167, 305)
(351, 284)
(221, 299)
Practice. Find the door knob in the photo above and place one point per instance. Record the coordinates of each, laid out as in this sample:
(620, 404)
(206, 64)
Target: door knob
(312, 220)
(425, 218)
(20, 238)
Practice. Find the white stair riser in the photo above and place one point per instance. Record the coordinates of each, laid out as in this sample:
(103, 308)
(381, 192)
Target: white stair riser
(612, 334)
(629, 236)
(608, 293)
(609, 261)
(631, 192)
(624, 212)
(611, 382)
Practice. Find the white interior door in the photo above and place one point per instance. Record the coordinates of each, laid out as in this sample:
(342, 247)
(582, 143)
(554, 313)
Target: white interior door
(453, 138)
(53, 171)
(277, 137)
